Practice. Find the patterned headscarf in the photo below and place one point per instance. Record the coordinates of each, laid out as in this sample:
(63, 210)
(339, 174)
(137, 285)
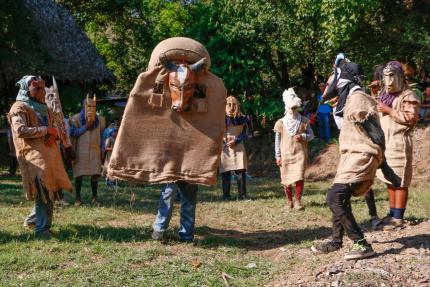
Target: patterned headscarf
(24, 95)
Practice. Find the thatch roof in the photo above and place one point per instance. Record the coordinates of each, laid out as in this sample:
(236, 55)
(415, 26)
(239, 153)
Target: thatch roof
(70, 55)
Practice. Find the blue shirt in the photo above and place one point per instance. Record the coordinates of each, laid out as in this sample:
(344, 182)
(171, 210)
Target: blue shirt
(323, 108)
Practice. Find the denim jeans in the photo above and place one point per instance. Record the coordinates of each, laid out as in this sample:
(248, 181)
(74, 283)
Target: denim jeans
(42, 212)
(187, 197)
(324, 126)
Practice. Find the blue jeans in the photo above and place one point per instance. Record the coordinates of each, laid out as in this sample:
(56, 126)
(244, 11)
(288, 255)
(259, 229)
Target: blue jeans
(188, 195)
(324, 126)
(42, 212)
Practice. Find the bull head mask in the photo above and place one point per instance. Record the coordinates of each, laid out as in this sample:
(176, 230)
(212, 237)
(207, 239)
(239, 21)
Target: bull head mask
(182, 82)
(90, 108)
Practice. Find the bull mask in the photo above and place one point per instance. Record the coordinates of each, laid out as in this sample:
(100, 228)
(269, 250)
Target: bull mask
(232, 108)
(90, 108)
(182, 82)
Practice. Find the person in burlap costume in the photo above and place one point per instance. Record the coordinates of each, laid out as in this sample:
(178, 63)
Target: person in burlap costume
(39, 158)
(399, 113)
(86, 128)
(292, 134)
(233, 155)
(361, 145)
(172, 130)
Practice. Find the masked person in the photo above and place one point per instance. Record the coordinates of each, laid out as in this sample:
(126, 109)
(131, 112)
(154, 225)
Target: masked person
(292, 134)
(361, 145)
(39, 158)
(233, 155)
(398, 108)
(172, 130)
(86, 129)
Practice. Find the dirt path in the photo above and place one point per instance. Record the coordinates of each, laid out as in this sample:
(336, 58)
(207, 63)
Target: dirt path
(403, 259)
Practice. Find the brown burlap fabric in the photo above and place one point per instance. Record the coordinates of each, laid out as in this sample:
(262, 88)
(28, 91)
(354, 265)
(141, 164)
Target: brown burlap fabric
(158, 145)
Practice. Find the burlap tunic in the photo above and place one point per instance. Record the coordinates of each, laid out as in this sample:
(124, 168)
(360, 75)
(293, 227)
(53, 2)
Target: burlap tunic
(233, 158)
(398, 127)
(294, 154)
(37, 160)
(359, 156)
(87, 147)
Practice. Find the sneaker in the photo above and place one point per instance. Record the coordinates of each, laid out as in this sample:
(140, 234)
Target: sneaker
(156, 235)
(44, 235)
(78, 202)
(384, 221)
(326, 247)
(374, 222)
(360, 250)
(290, 204)
(226, 197)
(29, 225)
(186, 241)
(94, 201)
(393, 224)
(298, 205)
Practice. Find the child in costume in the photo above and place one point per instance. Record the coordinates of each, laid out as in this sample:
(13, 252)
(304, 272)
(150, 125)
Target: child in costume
(233, 155)
(292, 134)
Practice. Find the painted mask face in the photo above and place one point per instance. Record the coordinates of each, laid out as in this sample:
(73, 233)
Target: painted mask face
(232, 107)
(90, 108)
(52, 98)
(393, 80)
(37, 90)
(182, 82)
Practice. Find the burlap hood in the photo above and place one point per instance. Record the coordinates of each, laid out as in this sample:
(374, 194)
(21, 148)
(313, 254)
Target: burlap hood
(158, 145)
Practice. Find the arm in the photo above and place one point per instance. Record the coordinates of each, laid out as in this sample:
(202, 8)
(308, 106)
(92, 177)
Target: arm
(309, 134)
(243, 135)
(20, 127)
(408, 115)
(277, 146)
(77, 132)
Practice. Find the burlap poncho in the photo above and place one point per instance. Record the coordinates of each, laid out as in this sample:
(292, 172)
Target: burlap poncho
(158, 145)
(294, 154)
(233, 158)
(359, 156)
(37, 160)
(398, 127)
(87, 149)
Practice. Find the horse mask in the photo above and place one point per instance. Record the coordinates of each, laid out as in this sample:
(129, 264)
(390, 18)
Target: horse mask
(182, 82)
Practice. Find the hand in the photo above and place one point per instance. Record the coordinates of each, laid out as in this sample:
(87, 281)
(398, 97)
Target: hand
(298, 138)
(89, 124)
(279, 162)
(52, 132)
(383, 108)
(231, 144)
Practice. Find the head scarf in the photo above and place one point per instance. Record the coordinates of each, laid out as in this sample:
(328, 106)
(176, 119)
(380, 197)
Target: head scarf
(385, 97)
(292, 119)
(24, 95)
(350, 79)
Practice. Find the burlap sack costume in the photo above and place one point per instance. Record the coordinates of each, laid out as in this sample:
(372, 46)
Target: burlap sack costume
(359, 156)
(398, 137)
(233, 158)
(87, 148)
(158, 145)
(37, 160)
(294, 154)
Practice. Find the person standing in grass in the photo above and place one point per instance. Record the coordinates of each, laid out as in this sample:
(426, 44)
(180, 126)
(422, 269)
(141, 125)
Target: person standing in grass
(292, 134)
(361, 145)
(39, 157)
(233, 155)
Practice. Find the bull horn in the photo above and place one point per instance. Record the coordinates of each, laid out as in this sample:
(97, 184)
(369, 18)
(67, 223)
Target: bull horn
(198, 65)
(88, 97)
(94, 97)
(168, 65)
(54, 83)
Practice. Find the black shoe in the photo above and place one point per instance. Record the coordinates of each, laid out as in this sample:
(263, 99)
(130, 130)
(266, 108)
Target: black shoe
(326, 247)
(359, 250)
(226, 197)
(157, 235)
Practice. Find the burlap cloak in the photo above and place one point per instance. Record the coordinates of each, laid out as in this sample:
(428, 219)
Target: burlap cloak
(158, 145)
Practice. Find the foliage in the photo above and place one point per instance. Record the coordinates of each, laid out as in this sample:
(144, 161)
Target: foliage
(259, 47)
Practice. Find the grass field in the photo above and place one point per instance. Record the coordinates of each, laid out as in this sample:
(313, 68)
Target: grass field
(110, 245)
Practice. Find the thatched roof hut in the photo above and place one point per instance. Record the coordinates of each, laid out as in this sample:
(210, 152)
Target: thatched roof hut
(68, 53)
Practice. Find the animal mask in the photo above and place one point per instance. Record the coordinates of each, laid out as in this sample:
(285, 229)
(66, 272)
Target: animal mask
(394, 78)
(291, 100)
(37, 89)
(90, 108)
(232, 108)
(52, 97)
(182, 82)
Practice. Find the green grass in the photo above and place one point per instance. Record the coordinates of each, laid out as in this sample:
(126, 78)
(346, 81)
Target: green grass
(110, 245)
